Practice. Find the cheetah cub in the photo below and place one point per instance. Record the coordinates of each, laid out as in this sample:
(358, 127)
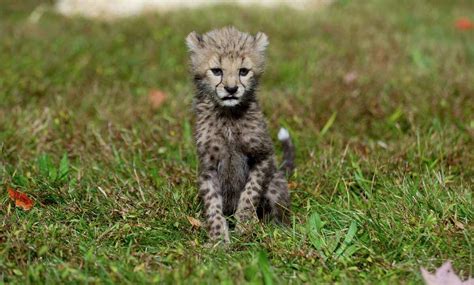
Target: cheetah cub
(238, 175)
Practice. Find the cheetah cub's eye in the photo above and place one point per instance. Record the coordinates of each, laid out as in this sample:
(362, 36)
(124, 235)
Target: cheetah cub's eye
(216, 71)
(244, 71)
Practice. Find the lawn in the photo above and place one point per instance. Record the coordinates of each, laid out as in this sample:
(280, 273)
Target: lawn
(379, 98)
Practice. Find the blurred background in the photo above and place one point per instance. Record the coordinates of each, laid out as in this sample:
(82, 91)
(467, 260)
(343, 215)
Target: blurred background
(378, 95)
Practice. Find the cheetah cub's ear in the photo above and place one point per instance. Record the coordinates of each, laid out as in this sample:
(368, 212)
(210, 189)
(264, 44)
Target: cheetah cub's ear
(194, 42)
(260, 42)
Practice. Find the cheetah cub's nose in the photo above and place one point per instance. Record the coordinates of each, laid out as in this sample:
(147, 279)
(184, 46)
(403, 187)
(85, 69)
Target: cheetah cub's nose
(231, 90)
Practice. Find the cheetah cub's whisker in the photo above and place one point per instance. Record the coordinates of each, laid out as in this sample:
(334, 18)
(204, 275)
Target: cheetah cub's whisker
(238, 175)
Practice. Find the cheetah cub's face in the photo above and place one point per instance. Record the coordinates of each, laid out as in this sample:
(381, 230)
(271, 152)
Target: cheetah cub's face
(227, 64)
(230, 78)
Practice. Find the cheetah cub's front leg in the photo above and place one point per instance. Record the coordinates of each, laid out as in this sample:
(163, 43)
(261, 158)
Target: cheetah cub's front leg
(246, 214)
(211, 195)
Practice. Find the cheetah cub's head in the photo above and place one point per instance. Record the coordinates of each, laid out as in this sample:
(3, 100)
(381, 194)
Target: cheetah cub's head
(227, 64)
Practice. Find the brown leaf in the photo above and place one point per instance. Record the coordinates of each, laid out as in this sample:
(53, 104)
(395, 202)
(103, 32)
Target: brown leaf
(156, 98)
(21, 199)
(350, 77)
(195, 223)
(464, 24)
(458, 224)
(292, 185)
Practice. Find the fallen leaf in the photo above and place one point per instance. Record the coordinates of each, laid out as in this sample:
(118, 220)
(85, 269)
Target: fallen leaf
(139, 267)
(292, 185)
(464, 24)
(21, 199)
(458, 224)
(444, 275)
(156, 98)
(350, 77)
(194, 222)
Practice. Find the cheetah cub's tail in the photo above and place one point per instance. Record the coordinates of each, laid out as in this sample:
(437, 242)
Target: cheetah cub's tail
(288, 163)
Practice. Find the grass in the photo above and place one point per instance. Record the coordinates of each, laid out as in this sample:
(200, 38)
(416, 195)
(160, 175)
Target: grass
(385, 175)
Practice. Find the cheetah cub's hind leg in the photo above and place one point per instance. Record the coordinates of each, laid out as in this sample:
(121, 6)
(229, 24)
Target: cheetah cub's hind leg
(274, 205)
(276, 201)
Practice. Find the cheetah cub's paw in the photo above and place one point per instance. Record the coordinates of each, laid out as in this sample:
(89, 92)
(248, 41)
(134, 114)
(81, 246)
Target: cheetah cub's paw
(246, 226)
(215, 244)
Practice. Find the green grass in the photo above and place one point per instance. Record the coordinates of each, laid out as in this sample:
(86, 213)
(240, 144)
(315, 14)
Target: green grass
(385, 165)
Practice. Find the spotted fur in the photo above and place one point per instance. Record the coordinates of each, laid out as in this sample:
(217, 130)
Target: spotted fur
(238, 176)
